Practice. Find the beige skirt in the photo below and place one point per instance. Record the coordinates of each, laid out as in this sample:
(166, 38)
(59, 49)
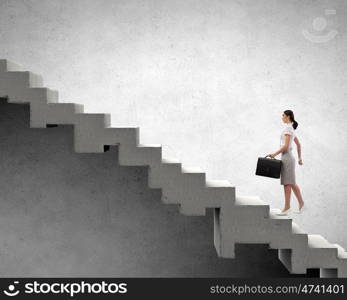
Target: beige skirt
(288, 168)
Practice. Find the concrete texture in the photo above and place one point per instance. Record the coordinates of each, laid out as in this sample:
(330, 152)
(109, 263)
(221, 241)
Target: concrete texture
(237, 219)
(213, 77)
(73, 214)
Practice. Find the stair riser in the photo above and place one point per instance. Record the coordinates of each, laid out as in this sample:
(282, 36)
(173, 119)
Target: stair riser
(134, 156)
(14, 80)
(24, 95)
(62, 113)
(294, 260)
(6, 65)
(43, 114)
(120, 136)
(220, 197)
(192, 210)
(196, 199)
(161, 174)
(342, 270)
(242, 232)
(175, 185)
(224, 247)
(283, 226)
(294, 241)
(93, 140)
(321, 258)
(88, 132)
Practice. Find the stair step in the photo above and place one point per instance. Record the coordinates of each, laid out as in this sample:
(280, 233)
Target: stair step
(218, 183)
(120, 135)
(341, 252)
(186, 169)
(7, 65)
(89, 132)
(194, 174)
(98, 120)
(15, 79)
(62, 113)
(140, 155)
(249, 201)
(251, 208)
(296, 229)
(273, 214)
(320, 253)
(165, 174)
(170, 161)
(284, 224)
(78, 107)
(317, 241)
(149, 146)
(32, 95)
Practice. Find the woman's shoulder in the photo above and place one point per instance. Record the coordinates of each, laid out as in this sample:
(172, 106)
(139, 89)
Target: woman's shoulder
(289, 125)
(288, 128)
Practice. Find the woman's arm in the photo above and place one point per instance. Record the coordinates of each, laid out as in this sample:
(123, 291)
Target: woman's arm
(298, 148)
(283, 148)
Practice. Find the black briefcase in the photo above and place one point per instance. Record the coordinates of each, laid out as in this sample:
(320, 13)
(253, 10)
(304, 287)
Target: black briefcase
(269, 167)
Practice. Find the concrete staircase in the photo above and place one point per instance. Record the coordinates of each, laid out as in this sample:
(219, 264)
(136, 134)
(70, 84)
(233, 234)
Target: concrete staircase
(237, 219)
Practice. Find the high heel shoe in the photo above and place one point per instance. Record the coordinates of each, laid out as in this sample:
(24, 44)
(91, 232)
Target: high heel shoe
(284, 212)
(300, 210)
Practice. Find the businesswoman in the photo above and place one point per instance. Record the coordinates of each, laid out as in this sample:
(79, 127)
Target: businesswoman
(288, 161)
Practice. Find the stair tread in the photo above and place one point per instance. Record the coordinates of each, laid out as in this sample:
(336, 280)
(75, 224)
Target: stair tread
(296, 229)
(250, 200)
(96, 114)
(62, 103)
(35, 88)
(12, 65)
(167, 160)
(273, 214)
(118, 127)
(192, 170)
(150, 145)
(341, 252)
(317, 241)
(218, 183)
(27, 72)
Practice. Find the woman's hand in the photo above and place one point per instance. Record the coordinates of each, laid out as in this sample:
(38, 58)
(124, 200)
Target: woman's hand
(271, 155)
(300, 162)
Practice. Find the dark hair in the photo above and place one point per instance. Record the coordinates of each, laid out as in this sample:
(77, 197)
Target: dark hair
(290, 113)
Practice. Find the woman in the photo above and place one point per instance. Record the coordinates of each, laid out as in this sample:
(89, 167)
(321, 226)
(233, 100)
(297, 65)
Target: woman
(288, 162)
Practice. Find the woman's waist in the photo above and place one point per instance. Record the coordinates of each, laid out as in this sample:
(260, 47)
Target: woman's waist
(288, 151)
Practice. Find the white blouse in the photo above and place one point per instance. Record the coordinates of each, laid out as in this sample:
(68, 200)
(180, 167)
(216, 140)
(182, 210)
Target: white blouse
(288, 129)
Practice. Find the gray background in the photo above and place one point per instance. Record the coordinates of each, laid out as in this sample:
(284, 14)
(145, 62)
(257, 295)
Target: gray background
(214, 75)
(71, 214)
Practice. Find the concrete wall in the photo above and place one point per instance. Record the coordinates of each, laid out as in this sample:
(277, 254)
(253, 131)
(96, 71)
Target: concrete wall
(208, 80)
(69, 214)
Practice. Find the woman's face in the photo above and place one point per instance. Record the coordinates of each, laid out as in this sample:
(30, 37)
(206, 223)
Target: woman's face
(285, 118)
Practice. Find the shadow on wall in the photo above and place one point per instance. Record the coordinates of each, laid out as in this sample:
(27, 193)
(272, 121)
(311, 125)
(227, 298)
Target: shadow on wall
(80, 214)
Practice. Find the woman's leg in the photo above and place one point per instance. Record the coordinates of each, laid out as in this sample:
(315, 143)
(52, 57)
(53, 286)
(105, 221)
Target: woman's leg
(297, 193)
(287, 194)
